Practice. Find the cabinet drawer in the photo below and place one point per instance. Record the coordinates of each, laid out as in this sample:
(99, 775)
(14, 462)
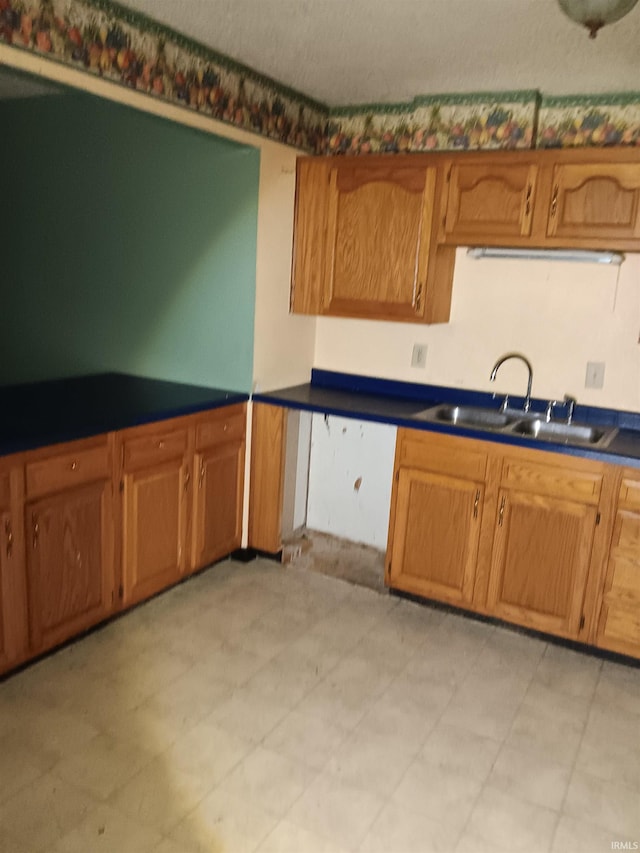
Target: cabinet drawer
(4, 490)
(625, 583)
(65, 470)
(229, 427)
(629, 497)
(622, 626)
(551, 479)
(157, 447)
(441, 455)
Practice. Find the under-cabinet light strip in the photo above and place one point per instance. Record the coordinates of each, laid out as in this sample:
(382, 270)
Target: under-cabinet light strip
(580, 255)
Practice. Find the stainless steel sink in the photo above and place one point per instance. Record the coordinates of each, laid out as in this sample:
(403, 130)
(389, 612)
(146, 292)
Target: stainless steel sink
(564, 433)
(469, 416)
(524, 424)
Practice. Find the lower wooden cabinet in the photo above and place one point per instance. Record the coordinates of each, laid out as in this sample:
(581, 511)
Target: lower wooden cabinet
(619, 618)
(69, 541)
(508, 532)
(13, 590)
(218, 489)
(94, 525)
(156, 480)
(436, 516)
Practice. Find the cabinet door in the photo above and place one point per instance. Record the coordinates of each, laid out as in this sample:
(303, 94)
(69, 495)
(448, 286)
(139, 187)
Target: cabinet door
(155, 502)
(619, 623)
(217, 517)
(434, 544)
(69, 562)
(379, 230)
(595, 200)
(488, 201)
(13, 607)
(541, 553)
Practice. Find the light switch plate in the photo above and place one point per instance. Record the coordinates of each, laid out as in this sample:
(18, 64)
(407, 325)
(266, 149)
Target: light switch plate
(419, 355)
(595, 375)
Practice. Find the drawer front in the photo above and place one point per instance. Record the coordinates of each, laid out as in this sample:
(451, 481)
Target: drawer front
(441, 455)
(5, 492)
(552, 480)
(622, 627)
(66, 470)
(145, 450)
(625, 583)
(629, 497)
(225, 427)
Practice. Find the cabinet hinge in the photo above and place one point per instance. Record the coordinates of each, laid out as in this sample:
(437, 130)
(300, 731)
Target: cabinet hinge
(581, 626)
(449, 174)
(397, 476)
(597, 518)
(121, 486)
(120, 591)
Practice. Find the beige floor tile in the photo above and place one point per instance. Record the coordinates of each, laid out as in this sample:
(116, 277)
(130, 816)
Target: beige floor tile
(611, 759)
(566, 671)
(151, 670)
(230, 663)
(206, 751)
(371, 762)
(619, 684)
(281, 682)
(398, 721)
(610, 806)
(306, 738)
(460, 751)
(222, 822)
(490, 718)
(441, 794)
(268, 780)
(576, 836)
(18, 766)
(289, 838)
(42, 812)
(247, 715)
(399, 829)
(546, 730)
(510, 824)
(47, 736)
(106, 829)
(531, 776)
(335, 811)
(160, 795)
(102, 765)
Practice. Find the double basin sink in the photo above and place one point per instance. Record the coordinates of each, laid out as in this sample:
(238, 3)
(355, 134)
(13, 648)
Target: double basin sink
(517, 423)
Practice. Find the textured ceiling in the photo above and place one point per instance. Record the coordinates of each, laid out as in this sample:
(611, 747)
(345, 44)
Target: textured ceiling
(361, 51)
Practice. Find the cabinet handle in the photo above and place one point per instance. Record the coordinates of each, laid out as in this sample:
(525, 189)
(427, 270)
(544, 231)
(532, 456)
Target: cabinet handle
(187, 480)
(501, 513)
(9, 533)
(475, 504)
(74, 465)
(160, 444)
(419, 296)
(201, 477)
(36, 530)
(527, 209)
(554, 200)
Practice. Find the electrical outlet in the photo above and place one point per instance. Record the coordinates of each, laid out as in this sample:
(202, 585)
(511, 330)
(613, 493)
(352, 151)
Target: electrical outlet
(419, 355)
(595, 375)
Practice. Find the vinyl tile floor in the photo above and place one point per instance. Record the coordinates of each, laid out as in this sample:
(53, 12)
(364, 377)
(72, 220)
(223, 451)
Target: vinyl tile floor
(273, 709)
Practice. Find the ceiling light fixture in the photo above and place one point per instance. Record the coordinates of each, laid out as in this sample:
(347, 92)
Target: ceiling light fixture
(594, 14)
(583, 255)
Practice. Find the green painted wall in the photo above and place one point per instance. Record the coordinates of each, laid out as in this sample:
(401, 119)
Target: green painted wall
(128, 244)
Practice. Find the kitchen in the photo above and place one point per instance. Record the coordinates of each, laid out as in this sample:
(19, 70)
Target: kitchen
(385, 350)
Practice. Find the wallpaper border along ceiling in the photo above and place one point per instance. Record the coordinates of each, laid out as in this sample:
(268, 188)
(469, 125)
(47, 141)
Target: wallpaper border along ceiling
(103, 38)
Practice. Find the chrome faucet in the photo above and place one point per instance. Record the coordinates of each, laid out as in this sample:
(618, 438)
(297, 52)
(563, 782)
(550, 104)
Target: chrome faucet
(494, 372)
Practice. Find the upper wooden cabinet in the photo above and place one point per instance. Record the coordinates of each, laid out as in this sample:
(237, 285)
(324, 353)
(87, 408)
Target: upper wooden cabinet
(595, 201)
(363, 240)
(488, 199)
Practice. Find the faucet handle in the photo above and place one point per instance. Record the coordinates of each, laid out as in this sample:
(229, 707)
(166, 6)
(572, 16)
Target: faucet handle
(549, 410)
(504, 405)
(570, 402)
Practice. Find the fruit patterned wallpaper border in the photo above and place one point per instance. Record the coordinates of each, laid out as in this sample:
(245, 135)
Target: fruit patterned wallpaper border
(106, 39)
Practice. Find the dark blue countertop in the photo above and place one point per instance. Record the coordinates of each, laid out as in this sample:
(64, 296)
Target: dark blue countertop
(398, 403)
(41, 413)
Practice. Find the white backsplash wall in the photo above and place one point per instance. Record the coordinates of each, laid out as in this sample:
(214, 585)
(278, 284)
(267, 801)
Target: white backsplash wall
(560, 315)
(350, 476)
